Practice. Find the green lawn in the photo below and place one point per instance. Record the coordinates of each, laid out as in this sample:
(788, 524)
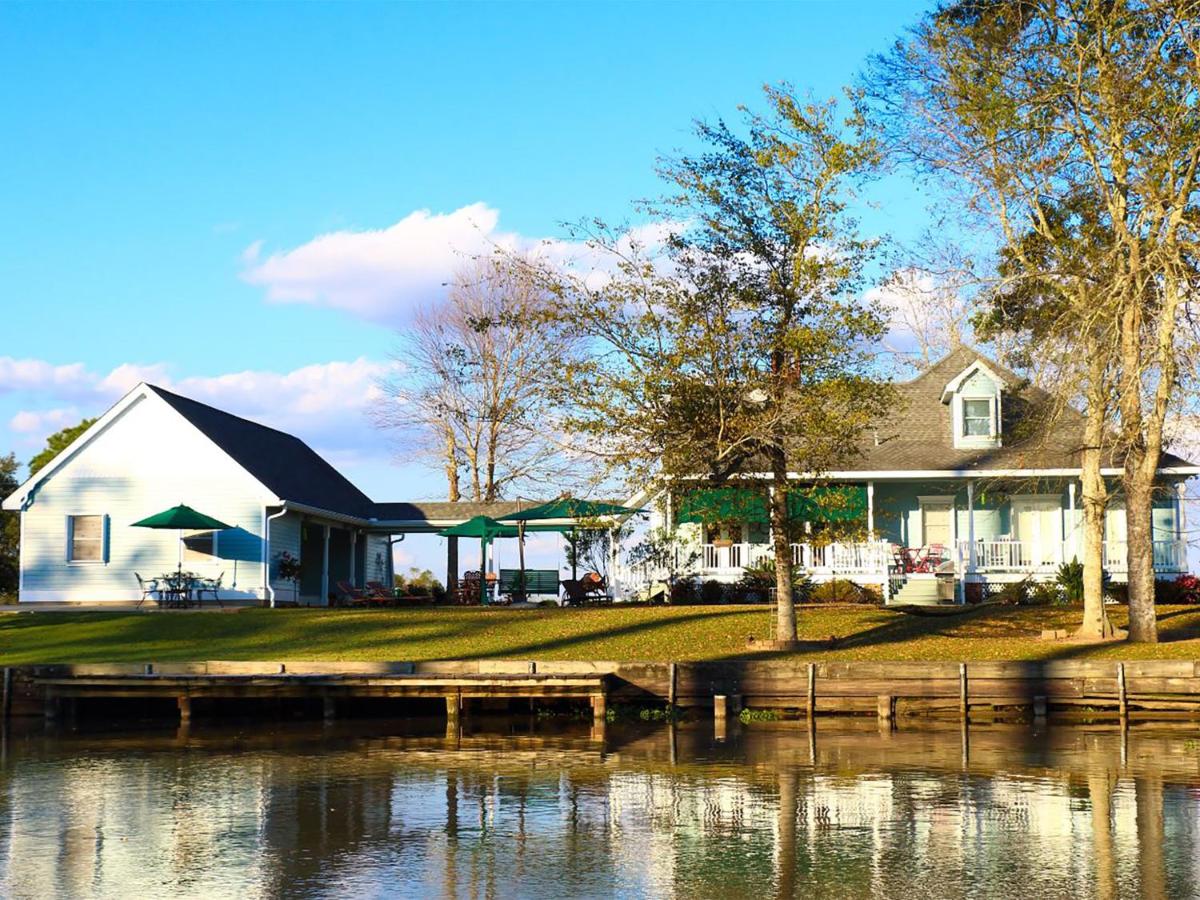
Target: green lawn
(621, 634)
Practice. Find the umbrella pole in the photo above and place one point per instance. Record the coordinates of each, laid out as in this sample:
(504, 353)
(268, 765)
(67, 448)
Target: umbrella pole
(521, 554)
(483, 570)
(574, 552)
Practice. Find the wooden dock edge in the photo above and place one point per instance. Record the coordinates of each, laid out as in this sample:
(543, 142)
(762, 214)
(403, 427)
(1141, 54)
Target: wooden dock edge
(1144, 688)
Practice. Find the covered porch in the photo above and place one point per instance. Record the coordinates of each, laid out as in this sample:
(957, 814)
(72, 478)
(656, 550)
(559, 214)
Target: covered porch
(889, 531)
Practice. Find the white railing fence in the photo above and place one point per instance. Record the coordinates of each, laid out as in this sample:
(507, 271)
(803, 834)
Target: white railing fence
(1169, 556)
(1026, 556)
(865, 556)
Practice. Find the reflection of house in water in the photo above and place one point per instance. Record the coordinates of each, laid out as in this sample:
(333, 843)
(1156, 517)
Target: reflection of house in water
(867, 819)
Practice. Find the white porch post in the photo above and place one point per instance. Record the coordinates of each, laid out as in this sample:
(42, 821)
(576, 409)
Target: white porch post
(870, 510)
(353, 556)
(971, 560)
(1072, 527)
(324, 599)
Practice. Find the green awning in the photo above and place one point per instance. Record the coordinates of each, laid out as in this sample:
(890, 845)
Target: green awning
(570, 508)
(482, 527)
(182, 518)
(818, 503)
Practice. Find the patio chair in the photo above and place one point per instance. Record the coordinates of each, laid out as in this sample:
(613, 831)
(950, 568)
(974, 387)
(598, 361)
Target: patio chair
(596, 586)
(209, 586)
(347, 591)
(468, 593)
(147, 588)
(577, 592)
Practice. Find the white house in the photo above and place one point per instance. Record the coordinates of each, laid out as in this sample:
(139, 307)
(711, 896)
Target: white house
(155, 449)
(975, 474)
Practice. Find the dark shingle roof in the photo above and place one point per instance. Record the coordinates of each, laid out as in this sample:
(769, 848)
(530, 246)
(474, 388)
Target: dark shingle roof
(283, 463)
(1037, 432)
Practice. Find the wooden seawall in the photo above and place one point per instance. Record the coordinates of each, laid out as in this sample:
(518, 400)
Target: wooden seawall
(1155, 688)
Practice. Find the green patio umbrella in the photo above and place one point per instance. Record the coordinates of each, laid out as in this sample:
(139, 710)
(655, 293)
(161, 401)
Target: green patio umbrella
(573, 508)
(487, 530)
(180, 518)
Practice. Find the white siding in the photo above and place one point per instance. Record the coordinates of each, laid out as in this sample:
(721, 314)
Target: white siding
(148, 459)
(375, 560)
(285, 538)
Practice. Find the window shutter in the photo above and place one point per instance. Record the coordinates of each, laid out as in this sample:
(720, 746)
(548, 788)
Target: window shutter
(70, 526)
(104, 539)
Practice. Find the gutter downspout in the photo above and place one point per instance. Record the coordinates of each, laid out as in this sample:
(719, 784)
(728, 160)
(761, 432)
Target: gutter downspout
(268, 590)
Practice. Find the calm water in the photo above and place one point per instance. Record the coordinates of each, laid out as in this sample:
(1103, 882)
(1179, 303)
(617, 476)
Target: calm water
(650, 812)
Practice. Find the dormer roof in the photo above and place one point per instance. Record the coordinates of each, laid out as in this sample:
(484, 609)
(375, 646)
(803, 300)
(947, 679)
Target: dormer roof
(954, 385)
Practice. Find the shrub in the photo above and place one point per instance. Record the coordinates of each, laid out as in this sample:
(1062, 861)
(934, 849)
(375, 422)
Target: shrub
(841, 590)
(1184, 589)
(761, 576)
(683, 591)
(712, 592)
(1014, 593)
(1189, 588)
(1046, 593)
(1070, 579)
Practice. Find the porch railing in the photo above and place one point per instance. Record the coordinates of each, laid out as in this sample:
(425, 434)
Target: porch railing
(1169, 556)
(1026, 556)
(866, 556)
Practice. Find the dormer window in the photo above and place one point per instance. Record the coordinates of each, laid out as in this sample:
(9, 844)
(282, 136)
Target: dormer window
(978, 417)
(974, 397)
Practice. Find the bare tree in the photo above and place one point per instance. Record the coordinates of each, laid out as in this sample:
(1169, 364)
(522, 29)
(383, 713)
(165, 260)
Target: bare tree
(1073, 123)
(472, 394)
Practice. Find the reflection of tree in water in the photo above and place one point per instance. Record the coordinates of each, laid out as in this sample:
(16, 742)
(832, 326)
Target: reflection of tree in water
(758, 820)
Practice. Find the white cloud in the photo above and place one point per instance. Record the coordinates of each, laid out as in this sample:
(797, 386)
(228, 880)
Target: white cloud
(44, 422)
(379, 275)
(382, 275)
(37, 374)
(325, 404)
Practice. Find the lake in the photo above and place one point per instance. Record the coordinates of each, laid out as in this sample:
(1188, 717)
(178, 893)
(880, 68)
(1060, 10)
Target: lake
(529, 808)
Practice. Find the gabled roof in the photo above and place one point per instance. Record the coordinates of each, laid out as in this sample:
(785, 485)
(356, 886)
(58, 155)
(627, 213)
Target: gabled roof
(284, 464)
(953, 386)
(1039, 433)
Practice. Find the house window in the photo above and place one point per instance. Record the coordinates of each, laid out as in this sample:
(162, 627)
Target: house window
(199, 546)
(85, 538)
(977, 418)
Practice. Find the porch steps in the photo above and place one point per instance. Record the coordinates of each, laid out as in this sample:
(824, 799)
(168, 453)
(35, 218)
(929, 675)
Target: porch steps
(916, 592)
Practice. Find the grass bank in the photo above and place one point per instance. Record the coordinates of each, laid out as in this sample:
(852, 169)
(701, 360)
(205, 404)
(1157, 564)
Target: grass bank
(620, 634)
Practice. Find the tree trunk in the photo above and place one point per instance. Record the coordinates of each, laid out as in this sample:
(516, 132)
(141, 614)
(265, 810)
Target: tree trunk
(1095, 499)
(453, 494)
(1139, 547)
(785, 627)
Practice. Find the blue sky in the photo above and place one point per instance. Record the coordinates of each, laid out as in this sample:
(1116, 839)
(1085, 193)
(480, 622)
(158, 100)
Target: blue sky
(171, 174)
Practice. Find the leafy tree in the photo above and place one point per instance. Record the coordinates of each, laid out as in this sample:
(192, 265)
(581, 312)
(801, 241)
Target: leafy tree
(10, 528)
(57, 443)
(745, 350)
(1071, 127)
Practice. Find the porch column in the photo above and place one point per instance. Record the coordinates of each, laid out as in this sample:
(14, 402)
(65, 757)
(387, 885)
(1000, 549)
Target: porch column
(1072, 529)
(324, 599)
(971, 561)
(353, 557)
(870, 510)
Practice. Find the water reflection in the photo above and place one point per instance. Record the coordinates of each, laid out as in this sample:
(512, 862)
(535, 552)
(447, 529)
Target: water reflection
(774, 810)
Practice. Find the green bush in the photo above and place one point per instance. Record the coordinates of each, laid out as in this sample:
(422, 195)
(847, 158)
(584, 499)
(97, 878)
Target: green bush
(1015, 593)
(1046, 593)
(712, 592)
(761, 577)
(1070, 579)
(841, 590)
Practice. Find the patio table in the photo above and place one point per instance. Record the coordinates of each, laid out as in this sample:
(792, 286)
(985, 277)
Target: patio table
(177, 589)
